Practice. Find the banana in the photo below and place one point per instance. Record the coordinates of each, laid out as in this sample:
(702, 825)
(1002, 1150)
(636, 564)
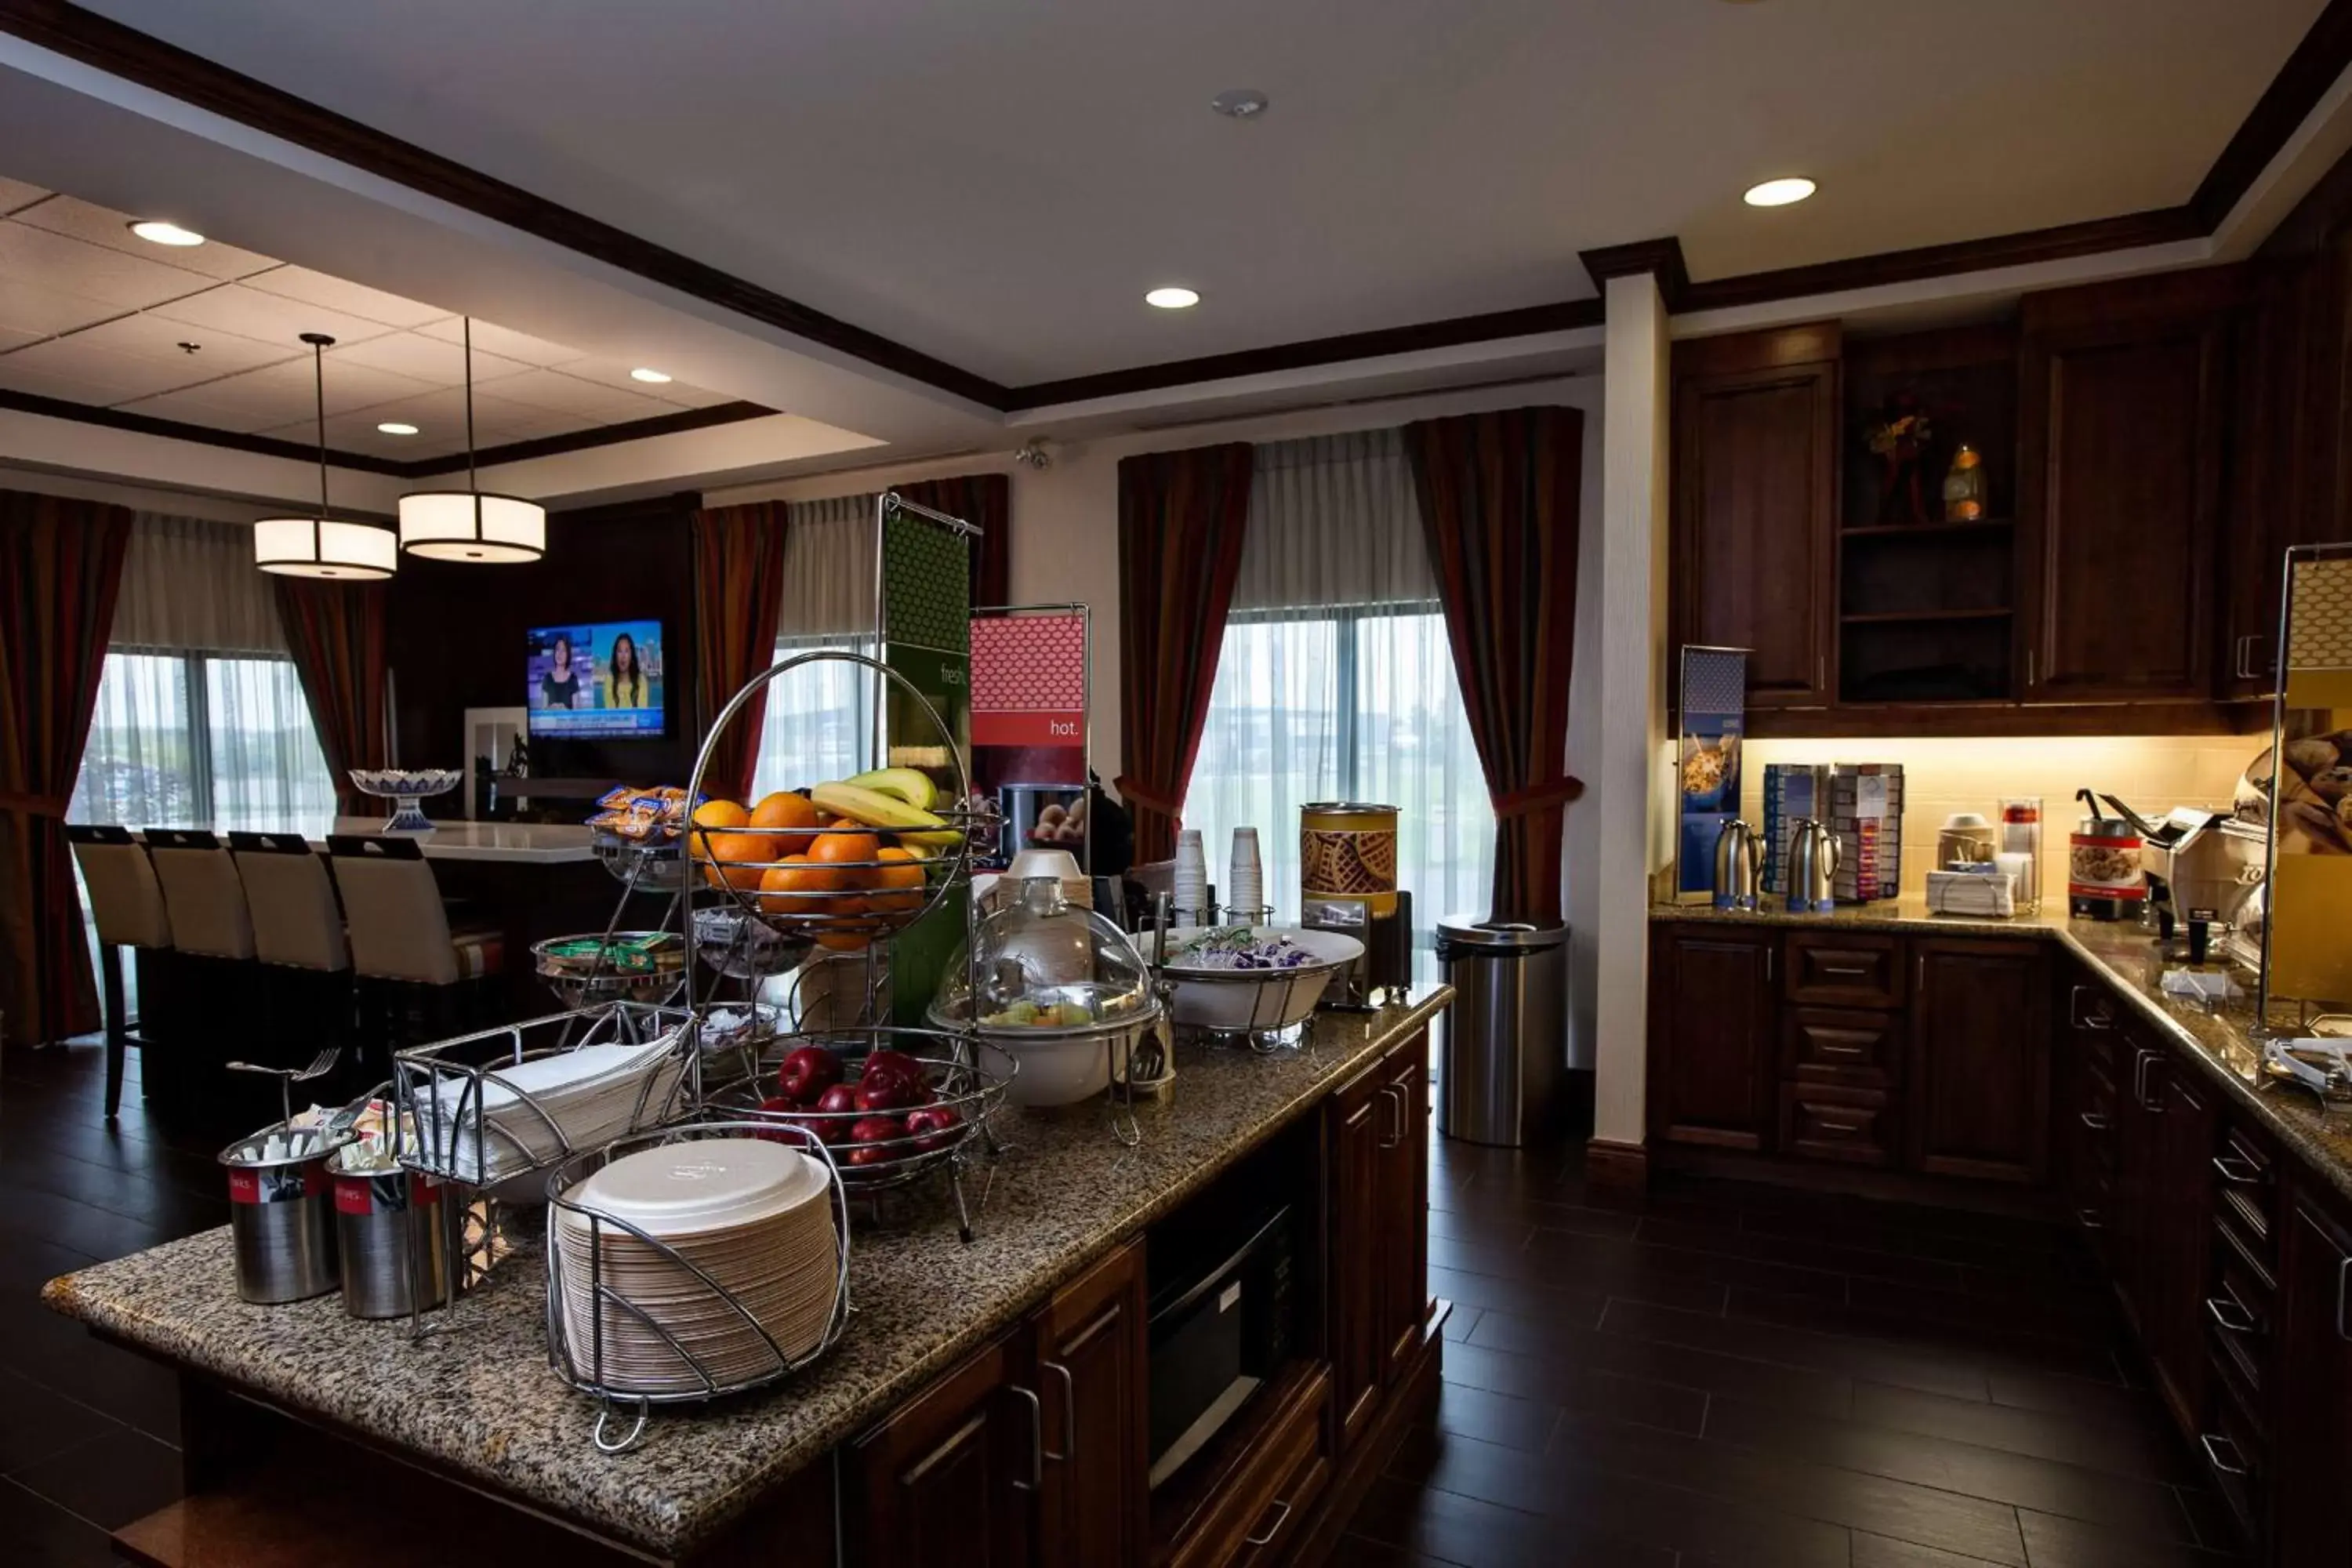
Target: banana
(872, 808)
(910, 784)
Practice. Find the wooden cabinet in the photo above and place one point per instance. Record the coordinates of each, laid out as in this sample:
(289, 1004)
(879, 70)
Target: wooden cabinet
(1403, 1203)
(1844, 969)
(1978, 1074)
(950, 1476)
(2312, 1466)
(2122, 428)
(2085, 1125)
(1260, 1515)
(1379, 1228)
(1712, 1036)
(2174, 1316)
(1756, 431)
(1093, 1381)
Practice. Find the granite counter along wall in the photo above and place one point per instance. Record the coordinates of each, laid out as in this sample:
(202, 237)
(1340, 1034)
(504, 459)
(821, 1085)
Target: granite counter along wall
(2153, 774)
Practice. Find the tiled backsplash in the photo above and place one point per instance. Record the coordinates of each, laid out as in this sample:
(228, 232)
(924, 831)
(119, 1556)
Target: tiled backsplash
(2153, 774)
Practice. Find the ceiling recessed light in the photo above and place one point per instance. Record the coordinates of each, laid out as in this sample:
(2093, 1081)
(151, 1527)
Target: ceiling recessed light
(656, 376)
(157, 232)
(1779, 193)
(1172, 299)
(1239, 104)
(398, 427)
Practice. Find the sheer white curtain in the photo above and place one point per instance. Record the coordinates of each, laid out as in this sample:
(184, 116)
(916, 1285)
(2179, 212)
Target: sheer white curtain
(1336, 681)
(820, 722)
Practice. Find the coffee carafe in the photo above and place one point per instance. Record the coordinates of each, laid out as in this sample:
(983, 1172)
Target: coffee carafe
(1739, 866)
(1814, 853)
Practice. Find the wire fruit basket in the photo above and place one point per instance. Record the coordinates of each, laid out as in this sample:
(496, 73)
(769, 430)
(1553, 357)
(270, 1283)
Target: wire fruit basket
(590, 969)
(642, 1312)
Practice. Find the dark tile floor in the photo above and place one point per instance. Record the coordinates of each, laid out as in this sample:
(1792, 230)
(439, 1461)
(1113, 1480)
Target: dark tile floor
(1741, 1375)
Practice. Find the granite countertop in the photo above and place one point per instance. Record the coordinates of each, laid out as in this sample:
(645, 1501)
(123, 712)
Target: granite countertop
(476, 1396)
(2127, 958)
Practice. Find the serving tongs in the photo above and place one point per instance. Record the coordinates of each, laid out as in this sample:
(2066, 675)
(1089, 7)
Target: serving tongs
(2163, 835)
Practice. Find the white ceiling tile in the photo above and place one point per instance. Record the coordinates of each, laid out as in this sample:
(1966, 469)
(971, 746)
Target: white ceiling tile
(348, 387)
(351, 298)
(159, 337)
(43, 383)
(267, 317)
(194, 407)
(11, 339)
(616, 373)
(497, 340)
(427, 359)
(442, 410)
(26, 308)
(68, 266)
(122, 376)
(105, 227)
(357, 433)
(15, 194)
(561, 394)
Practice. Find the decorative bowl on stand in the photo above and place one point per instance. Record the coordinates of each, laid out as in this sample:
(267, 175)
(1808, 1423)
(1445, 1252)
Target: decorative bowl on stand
(406, 786)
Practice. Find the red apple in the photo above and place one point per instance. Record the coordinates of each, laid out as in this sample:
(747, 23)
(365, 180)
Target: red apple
(827, 1130)
(893, 1064)
(781, 1108)
(869, 1154)
(934, 1126)
(885, 1093)
(807, 1073)
(838, 1101)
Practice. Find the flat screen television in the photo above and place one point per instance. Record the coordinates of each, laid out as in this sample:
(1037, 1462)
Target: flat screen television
(599, 680)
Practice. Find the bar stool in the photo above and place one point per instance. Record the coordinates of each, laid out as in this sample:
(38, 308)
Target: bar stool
(416, 979)
(298, 935)
(212, 929)
(126, 904)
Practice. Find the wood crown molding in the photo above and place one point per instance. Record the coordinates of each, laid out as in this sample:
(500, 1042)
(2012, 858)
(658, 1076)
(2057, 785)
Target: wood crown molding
(1661, 257)
(2317, 62)
(361, 462)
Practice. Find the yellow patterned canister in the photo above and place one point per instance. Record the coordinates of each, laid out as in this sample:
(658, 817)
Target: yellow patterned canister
(1347, 849)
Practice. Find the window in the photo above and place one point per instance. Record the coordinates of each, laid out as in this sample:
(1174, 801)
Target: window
(1335, 683)
(820, 718)
(191, 740)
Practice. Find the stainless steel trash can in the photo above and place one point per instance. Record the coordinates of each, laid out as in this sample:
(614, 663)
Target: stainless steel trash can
(1504, 1043)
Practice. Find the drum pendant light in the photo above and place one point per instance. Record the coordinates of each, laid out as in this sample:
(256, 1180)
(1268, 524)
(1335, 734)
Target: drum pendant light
(320, 546)
(466, 525)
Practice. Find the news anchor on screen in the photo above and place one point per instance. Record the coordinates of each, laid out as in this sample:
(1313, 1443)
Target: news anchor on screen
(560, 687)
(624, 676)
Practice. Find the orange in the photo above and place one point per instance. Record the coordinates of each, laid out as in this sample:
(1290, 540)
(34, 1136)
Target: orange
(789, 816)
(724, 848)
(796, 888)
(719, 816)
(845, 847)
(849, 939)
(901, 873)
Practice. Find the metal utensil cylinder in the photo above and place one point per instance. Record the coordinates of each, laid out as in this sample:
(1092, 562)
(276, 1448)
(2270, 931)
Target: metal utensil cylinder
(280, 1225)
(383, 1221)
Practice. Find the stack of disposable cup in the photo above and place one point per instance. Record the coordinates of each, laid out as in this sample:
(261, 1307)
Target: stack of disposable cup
(1191, 890)
(1245, 882)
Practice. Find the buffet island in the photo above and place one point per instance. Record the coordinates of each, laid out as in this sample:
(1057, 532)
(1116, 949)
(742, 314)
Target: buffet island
(919, 1429)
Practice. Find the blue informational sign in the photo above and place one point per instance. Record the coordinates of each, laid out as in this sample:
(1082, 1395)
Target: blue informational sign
(1714, 710)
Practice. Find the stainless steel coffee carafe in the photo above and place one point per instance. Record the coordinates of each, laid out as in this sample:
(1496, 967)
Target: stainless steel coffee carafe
(1739, 866)
(1813, 852)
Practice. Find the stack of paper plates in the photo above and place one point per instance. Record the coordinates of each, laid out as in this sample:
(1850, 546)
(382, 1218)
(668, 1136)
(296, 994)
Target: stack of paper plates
(755, 1217)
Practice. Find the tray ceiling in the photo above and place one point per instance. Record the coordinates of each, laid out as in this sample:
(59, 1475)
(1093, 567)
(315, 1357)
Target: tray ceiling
(92, 314)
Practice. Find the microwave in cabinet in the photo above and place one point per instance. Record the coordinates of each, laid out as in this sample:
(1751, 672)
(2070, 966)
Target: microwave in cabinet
(1219, 1329)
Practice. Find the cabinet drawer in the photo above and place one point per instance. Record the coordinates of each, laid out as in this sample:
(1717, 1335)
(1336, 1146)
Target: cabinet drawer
(2238, 1322)
(1844, 969)
(1826, 1122)
(1848, 1046)
(2234, 1452)
(1262, 1505)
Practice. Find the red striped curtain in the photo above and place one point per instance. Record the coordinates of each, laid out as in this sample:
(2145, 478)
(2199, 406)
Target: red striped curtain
(62, 562)
(1181, 519)
(985, 500)
(738, 568)
(1498, 504)
(335, 632)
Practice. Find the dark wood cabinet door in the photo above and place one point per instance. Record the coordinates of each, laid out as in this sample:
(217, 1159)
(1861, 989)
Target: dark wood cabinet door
(2312, 1456)
(950, 1476)
(2120, 443)
(2137, 1220)
(2175, 1318)
(1755, 508)
(1405, 1207)
(1357, 1120)
(1713, 1032)
(1094, 1509)
(1976, 1098)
